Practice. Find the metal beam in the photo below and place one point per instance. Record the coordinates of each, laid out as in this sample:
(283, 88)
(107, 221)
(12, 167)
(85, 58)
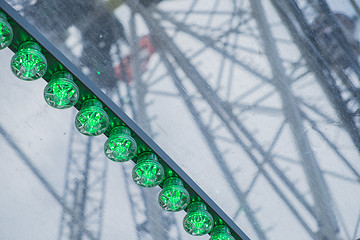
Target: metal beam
(301, 33)
(327, 223)
(210, 140)
(224, 112)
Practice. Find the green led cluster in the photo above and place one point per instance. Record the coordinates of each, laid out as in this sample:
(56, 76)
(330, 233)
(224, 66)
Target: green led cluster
(61, 92)
(198, 221)
(92, 120)
(148, 172)
(29, 63)
(120, 146)
(221, 232)
(173, 197)
(6, 32)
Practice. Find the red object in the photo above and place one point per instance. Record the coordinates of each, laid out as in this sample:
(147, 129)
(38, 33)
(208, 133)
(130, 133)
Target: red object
(146, 50)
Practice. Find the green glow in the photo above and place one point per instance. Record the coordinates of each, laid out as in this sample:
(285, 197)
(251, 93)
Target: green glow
(6, 32)
(174, 197)
(198, 221)
(120, 146)
(92, 120)
(61, 92)
(148, 172)
(221, 232)
(29, 63)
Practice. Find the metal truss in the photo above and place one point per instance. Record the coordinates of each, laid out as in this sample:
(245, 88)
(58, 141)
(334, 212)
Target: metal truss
(246, 43)
(85, 184)
(339, 82)
(296, 112)
(68, 210)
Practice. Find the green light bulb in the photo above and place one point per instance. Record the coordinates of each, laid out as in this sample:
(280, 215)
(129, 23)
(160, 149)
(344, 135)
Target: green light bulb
(148, 172)
(174, 197)
(198, 221)
(221, 232)
(92, 120)
(61, 92)
(6, 32)
(120, 146)
(29, 63)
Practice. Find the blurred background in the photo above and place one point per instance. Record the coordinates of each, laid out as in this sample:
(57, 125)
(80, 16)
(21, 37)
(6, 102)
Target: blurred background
(257, 101)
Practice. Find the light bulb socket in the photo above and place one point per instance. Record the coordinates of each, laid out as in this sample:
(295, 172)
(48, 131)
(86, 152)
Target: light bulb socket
(29, 63)
(3, 16)
(173, 197)
(92, 120)
(221, 232)
(62, 75)
(120, 146)
(173, 181)
(220, 229)
(30, 45)
(147, 156)
(61, 92)
(119, 130)
(148, 172)
(91, 103)
(198, 221)
(196, 206)
(6, 31)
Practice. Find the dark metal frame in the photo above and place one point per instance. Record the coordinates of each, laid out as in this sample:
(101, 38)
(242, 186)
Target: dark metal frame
(25, 31)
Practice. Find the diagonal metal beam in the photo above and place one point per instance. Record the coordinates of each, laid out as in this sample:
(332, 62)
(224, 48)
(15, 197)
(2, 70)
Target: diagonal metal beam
(212, 44)
(321, 195)
(301, 33)
(210, 140)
